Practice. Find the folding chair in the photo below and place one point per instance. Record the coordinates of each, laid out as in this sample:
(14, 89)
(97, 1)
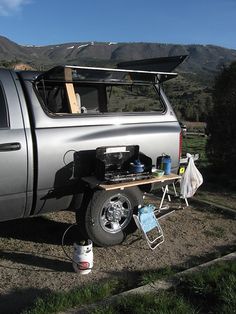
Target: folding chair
(149, 225)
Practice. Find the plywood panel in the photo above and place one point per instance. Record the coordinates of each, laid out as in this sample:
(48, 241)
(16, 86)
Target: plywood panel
(93, 182)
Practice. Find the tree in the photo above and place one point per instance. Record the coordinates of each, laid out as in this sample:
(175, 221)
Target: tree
(222, 121)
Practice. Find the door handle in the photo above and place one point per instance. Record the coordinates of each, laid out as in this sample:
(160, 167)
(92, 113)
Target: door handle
(6, 147)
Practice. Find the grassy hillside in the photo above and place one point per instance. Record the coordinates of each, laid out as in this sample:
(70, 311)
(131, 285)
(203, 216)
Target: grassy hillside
(191, 99)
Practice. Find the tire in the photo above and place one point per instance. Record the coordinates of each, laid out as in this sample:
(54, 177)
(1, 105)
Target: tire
(109, 216)
(81, 204)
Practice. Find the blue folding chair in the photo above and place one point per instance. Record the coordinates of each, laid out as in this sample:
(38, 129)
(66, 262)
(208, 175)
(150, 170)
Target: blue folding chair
(149, 225)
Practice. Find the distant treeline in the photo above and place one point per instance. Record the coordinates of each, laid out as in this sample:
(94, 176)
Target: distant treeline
(191, 99)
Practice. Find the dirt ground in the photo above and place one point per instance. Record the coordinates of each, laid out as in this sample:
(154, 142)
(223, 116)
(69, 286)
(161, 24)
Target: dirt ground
(33, 263)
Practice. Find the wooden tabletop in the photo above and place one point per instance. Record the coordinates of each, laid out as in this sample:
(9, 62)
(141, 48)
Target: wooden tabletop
(93, 182)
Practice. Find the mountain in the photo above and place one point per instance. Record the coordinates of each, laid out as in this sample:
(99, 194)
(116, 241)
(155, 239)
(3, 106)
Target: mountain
(202, 59)
(190, 93)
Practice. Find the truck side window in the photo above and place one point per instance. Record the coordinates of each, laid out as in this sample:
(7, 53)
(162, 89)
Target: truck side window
(133, 98)
(3, 110)
(54, 97)
(89, 98)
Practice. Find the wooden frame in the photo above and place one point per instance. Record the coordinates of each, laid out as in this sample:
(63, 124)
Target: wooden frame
(74, 107)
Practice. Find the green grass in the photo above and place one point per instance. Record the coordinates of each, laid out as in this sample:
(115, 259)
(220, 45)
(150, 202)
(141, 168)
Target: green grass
(195, 144)
(161, 303)
(60, 301)
(219, 181)
(213, 290)
(210, 291)
(163, 273)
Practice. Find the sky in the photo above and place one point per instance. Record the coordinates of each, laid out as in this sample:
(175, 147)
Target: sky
(45, 22)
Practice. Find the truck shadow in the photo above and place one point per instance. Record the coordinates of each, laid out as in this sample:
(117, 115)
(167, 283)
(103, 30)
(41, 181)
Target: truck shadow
(39, 230)
(16, 301)
(219, 251)
(173, 268)
(43, 263)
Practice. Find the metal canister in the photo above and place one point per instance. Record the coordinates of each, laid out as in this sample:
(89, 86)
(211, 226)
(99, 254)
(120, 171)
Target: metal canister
(164, 163)
(83, 257)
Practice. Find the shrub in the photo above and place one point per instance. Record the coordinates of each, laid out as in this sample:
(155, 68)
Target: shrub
(221, 122)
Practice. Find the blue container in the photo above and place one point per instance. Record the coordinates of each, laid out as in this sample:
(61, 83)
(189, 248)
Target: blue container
(136, 166)
(164, 163)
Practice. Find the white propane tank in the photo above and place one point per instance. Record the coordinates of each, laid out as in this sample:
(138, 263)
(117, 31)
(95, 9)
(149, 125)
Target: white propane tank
(83, 257)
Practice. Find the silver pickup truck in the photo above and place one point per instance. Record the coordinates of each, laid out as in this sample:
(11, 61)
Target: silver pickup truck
(69, 123)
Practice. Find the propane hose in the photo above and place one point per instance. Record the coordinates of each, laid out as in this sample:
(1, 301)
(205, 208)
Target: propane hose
(62, 242)
(63, 248)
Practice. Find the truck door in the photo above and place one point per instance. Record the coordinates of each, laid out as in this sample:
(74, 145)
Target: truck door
(13, 151)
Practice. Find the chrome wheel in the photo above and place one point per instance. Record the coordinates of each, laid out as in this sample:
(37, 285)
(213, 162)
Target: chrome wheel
(109, 215)
(116, 213)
